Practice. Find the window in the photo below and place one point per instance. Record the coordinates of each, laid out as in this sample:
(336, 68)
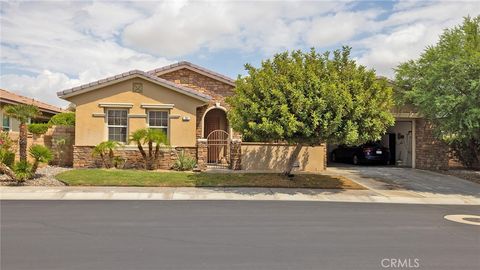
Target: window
(117, 125)
(5, 123)
(158, 120)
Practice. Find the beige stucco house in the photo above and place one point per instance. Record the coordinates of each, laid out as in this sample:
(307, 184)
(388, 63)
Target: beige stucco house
(184, 100)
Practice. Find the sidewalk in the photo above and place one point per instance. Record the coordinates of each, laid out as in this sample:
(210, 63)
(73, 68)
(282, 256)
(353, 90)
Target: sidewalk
(266, 194)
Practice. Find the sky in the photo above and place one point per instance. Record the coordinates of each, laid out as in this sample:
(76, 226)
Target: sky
(50, 46)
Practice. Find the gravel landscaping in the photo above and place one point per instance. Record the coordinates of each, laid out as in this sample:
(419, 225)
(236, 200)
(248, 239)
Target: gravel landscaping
(45, 176)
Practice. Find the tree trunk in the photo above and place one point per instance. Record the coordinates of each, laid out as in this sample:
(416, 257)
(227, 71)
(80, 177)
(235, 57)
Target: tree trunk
(292, 159)
(144, 155)
(34, 168)
(22, 141)
(7, 171)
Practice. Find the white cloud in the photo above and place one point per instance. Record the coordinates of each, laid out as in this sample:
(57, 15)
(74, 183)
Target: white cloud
(406, 33)
(49, 46)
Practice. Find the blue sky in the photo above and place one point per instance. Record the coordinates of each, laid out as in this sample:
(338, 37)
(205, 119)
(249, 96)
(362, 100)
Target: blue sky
(50, 46)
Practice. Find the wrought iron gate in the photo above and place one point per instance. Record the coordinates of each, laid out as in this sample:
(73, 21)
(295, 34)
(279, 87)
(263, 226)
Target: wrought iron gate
(218, 149)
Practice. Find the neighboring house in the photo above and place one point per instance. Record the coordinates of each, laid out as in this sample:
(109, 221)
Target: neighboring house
(187, 102)
(9, 98)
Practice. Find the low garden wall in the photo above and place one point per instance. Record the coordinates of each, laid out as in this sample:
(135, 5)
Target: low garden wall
(59, 139)
(83, 158)
(275, 156)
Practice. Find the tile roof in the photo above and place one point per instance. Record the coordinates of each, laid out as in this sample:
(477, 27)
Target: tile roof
(163, 82)
(9, 97)
(185, 64)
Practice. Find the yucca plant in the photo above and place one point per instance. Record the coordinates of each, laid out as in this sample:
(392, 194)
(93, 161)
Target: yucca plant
(22, 112)
(105, 150)
(154, 139)
(40, 154)
(22, 170)
(184, 162)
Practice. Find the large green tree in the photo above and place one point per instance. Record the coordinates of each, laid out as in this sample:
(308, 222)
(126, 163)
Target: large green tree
(23, 113)
(444, 83)
(309, 98)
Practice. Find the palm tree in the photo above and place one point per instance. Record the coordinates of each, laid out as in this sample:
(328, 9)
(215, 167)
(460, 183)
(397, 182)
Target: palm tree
(22, 112)
(106, 152)
(150, 137)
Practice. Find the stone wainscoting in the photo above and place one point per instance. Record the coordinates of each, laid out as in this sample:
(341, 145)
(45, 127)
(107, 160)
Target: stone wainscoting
(83, 158)
(430, 153)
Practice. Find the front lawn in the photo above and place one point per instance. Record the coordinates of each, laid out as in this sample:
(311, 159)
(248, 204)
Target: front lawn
(103, 177)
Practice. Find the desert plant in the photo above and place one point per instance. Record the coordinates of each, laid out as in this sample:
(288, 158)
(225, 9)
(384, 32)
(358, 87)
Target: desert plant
(22, 112)
(7, 157)
(118, 162)
(38, 129)
(63, 119)
(152, 138)
(22, 170)
(59, 145)
(40, 154)
(105, 150)
(5, 141)
(184, 162)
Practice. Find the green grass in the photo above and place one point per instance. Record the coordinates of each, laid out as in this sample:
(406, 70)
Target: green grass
(113, 177)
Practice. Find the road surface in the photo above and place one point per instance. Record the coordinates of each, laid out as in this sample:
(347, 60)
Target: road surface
(234, 235)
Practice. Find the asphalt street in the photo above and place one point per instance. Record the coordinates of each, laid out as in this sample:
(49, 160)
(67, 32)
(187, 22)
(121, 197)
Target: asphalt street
(234, 235)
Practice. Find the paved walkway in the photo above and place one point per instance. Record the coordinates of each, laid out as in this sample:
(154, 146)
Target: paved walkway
(385, 185)
(266, 194)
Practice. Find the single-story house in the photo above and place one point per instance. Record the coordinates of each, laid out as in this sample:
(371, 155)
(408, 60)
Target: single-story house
(187, 102)
(9, 98)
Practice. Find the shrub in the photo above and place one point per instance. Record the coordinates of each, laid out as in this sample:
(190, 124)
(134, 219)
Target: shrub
(38, 129)
(184, 162)
(63, 119)
(22, 170)
(40, 154)
(7, 157)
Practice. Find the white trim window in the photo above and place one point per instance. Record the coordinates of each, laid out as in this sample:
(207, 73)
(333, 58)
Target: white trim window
(117, 125)
(5, 123)
(158, 119)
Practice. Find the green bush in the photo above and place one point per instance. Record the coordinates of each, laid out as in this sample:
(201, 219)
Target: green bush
(23, 170)
(7, 157)
(40, 154)
(63, 119)
(184, 162)
(38, 129)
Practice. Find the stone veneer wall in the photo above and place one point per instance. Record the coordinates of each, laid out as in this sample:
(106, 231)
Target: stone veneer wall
(430, 153)
(216, 89)
(82, 157)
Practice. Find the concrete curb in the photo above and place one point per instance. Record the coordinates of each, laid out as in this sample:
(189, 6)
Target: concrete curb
(235, 194)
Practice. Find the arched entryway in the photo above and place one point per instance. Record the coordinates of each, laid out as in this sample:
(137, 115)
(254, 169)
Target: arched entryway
(215, 130)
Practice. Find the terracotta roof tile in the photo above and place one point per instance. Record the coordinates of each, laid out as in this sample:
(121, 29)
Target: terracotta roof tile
(9, 97)
(180, 64)
(140, 73)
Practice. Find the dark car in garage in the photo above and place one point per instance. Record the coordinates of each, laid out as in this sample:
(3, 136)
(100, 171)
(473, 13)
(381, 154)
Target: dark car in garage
(362, 154)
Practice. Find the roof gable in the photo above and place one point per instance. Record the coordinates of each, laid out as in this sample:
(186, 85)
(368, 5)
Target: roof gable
(195, 68)
(130, 75)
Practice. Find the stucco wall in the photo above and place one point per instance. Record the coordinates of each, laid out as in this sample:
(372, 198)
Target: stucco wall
(91, 130)
(274, 157)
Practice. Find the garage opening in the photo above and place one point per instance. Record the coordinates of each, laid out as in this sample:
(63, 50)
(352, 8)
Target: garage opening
(399, 139)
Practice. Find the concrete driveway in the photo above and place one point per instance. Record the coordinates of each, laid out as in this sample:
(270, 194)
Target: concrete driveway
(389, 179)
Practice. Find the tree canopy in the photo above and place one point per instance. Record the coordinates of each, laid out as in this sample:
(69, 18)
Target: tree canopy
(309, 98)
(444, 83)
